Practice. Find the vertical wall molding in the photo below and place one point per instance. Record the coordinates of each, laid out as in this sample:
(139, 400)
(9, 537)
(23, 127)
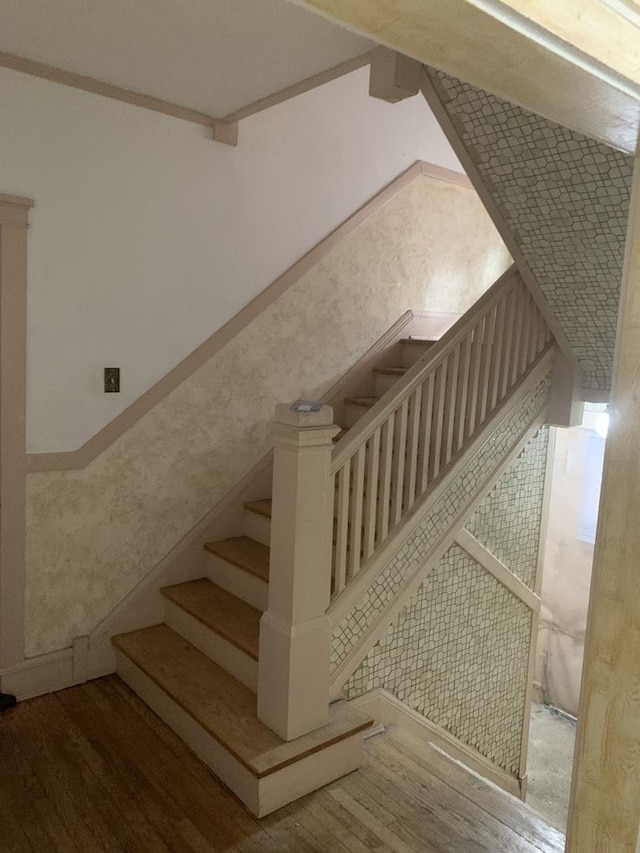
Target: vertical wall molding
(14, 213)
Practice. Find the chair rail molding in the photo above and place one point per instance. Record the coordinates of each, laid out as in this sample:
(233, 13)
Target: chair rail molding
(80, 458)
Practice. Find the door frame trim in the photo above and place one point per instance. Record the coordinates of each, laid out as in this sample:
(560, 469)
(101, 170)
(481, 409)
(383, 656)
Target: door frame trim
(14, 222)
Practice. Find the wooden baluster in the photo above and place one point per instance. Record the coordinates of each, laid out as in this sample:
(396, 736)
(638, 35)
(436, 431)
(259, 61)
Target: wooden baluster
(485, 367)
(464, 380)
(531, 349)
(497, 354)
(542, 331)
(474, 385)
(355, 516)
(425, 432)
(371, 499)
(438, 419)
(451, 399)
(342, 528)
(386, 470)
(508, 342)
(517, 335)
(524, 344)
(413, 438)
(400, 447)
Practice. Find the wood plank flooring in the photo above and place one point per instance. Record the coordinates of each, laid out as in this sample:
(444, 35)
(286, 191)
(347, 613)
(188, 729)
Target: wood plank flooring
(93, 769)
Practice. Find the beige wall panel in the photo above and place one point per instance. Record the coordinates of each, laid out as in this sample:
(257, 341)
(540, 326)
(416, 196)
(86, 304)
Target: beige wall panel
(94, 533)
(566, 579)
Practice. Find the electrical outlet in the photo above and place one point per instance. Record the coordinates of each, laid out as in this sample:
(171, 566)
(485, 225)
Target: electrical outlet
(111, 380)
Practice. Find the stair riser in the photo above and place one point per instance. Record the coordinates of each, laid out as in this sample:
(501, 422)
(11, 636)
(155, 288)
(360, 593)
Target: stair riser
(353, 413)
(384, 382)
(245, 586)
(260, 795)
(412, 351)
(220, 651)
(257, 527)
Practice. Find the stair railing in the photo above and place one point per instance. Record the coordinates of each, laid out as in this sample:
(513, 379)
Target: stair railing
(404, 445)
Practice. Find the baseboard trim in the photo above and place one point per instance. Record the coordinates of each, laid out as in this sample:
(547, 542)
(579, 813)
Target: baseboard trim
(38, 675)
(387, 710)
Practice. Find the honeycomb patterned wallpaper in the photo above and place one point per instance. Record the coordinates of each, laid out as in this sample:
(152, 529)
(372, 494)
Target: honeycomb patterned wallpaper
(565, 199)
(458, 652)
(508, 520)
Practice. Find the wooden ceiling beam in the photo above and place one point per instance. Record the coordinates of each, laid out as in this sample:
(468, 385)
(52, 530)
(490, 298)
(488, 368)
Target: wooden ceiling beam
(507, 54)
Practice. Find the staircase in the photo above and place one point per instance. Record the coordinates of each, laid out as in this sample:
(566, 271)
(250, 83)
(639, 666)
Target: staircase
(200, 670)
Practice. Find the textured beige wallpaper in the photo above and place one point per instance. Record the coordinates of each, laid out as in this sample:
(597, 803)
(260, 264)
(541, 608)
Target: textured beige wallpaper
(93, 534)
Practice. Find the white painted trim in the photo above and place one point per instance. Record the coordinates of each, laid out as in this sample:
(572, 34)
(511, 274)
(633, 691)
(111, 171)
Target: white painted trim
(500, 572)
(387, 710)
(39, 675)
(257, 527)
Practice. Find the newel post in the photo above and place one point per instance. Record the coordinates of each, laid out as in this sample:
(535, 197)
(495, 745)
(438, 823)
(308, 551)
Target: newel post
(295, 635)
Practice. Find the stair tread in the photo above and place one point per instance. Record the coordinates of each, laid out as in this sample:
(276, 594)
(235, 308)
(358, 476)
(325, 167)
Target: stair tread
(225, 708)
(245, 553)
(262, 507)
(391, 371)
(362, 401)
(418, 340)
(221, 612)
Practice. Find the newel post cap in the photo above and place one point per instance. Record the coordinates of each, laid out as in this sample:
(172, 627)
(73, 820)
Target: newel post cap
(304, 413)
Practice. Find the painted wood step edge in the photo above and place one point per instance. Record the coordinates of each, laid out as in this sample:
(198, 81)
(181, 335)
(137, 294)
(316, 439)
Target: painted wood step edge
(261, 507)
(245, 616)
(244, 553)
(344, 721)
(365, 402)
(390, 371)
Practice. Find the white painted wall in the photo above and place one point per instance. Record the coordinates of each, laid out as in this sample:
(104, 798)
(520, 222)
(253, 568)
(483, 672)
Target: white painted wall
(147, 236)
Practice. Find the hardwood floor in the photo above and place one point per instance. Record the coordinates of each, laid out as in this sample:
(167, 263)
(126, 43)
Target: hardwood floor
(92, 769)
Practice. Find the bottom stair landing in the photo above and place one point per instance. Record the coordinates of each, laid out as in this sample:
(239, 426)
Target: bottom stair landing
(216, 716)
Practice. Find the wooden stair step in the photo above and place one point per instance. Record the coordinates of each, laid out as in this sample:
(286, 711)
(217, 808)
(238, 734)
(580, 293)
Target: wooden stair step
(245, 553)
(390, 371)
(225, 708)
(365, 402)
(220, 611)
(426, 342)
(262, 507)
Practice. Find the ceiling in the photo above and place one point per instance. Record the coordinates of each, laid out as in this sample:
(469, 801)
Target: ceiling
(215, 56)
